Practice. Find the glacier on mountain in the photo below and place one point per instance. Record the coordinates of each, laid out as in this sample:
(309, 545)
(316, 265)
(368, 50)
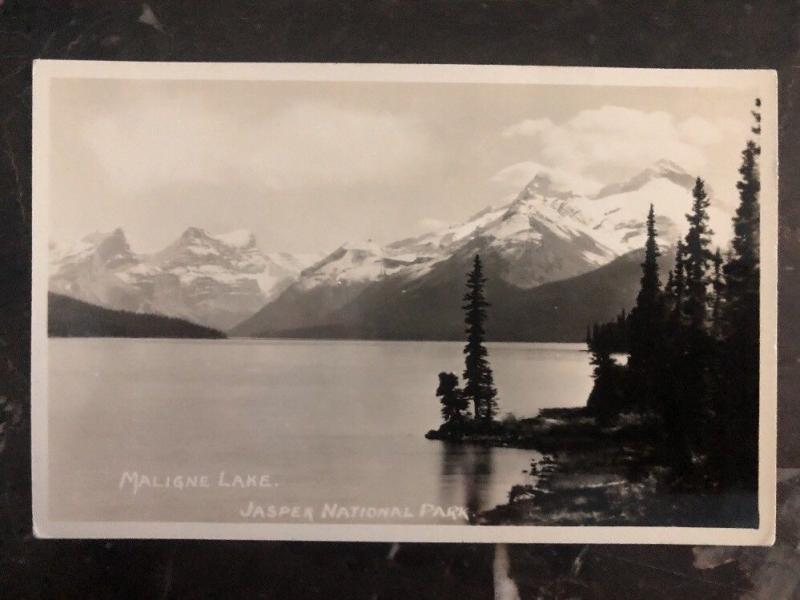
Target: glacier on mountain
(211, 279)
(603, 226)
(546, 233)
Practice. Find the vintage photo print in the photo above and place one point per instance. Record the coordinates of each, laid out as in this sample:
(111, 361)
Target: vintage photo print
(404, 303)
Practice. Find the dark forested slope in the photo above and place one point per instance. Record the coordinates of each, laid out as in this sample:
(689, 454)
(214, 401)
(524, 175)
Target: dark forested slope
(68, 317)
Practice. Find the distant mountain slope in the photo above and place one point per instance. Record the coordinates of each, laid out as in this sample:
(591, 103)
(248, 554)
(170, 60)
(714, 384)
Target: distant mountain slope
(216, 280)
(412, 287)
(67, 317)
(546, 234)
(431, 309)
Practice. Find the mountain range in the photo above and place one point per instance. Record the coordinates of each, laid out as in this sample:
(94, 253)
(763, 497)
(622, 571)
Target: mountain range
(212, 280)
(555, 262)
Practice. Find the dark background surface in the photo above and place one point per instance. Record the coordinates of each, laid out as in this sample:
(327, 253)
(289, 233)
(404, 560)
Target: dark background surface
(723, 34)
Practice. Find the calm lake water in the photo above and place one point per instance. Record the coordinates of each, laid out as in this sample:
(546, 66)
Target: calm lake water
(329, 422)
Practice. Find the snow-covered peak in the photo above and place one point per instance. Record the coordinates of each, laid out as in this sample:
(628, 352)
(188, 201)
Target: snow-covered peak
(665, 165)
(437, 242)
(355, 262)
(214, 279)
(294, 263)
(240, 238)
(662, 169)
(103, 248)
(236, 252)
(194, 234)
(367, 247)
(99, 237)
(543, 184)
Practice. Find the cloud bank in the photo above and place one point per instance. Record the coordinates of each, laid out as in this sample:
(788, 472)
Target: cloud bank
(310, 144)
(597, 146)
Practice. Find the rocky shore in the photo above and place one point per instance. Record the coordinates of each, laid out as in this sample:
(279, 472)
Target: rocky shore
(596, 474)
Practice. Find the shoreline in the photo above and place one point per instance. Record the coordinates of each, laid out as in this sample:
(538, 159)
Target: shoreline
(592, 474)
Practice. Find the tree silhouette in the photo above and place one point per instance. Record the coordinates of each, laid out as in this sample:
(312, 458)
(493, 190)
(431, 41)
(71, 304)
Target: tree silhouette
(718, 288)
(647, 327)
(612, 336)
(454, 405)
(694, 346)
(698, 258)
(479, 386)
(677, 285)
(693, 352)
(739, 405)
(606, 399)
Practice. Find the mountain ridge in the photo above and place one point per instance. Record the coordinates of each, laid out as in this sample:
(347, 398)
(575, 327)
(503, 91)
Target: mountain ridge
(213, 280)
(68, 317)
(544, 235)
(517, 315)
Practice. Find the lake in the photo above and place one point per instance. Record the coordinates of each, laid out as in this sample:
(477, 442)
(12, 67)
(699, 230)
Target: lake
(312, 424)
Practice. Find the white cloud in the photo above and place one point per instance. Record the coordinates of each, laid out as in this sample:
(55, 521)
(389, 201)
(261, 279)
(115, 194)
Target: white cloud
(620, 137)
(319, 144)
(528, 127)
(700, 131)
(519, 174)
(612, 142)
(303, 145)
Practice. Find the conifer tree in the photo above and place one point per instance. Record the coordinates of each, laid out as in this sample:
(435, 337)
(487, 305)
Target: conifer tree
(694, 360)
(479, 386)
(650, 291)
(676, 450)
(647, 327)
(454, 405)
(678, 284)
(717, 286)
(739, 404)
(698, 257)
(606, 399)
(742, 270)
(686, 364)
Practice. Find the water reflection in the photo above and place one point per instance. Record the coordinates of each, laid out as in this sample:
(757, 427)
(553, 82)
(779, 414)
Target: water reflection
(323, 433)
(466, 476)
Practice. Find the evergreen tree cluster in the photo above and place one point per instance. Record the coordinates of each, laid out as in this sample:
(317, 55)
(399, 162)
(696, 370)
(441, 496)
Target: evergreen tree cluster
(454, 402)
(693, 345)
(613, 336)
(479, 386)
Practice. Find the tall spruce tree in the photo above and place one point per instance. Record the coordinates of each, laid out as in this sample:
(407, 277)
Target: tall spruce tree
(742, 270)
(739, 404)
(675, 447)
(646, 339)
(684, 393)
(698, 258)
(695, 360)
(677, 284)
(477, 373)
(718, 288)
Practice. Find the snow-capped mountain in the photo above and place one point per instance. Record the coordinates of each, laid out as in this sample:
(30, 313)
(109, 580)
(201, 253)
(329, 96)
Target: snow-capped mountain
(546, 234)
(214, 280)
(587, 231)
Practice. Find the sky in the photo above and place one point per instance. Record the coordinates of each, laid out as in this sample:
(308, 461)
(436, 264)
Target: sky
(308, 166)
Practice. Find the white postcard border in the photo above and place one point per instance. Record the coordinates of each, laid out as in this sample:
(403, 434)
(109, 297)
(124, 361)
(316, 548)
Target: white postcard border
(765, 81)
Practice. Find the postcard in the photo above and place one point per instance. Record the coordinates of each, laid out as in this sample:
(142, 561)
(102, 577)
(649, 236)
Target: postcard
(432, 303)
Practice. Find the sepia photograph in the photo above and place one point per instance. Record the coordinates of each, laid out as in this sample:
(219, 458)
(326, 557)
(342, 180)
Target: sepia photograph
(404, 303)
